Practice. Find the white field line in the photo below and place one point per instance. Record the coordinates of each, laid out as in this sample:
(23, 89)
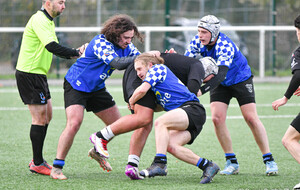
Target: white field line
(119, 89)
(125, 107)
(122, 107)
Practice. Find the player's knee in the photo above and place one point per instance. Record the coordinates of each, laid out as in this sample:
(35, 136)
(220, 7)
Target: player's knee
(171, 149)
(158, 124)
(252, 120)
(73, 126)
(217, 120)
(285, 141)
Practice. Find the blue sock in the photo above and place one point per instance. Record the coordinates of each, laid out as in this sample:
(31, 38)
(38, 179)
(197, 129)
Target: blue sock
(57, 163)
(268, 157)
(161, 155)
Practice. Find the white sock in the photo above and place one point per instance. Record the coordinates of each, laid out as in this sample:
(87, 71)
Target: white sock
(107, 133)
(134, 159)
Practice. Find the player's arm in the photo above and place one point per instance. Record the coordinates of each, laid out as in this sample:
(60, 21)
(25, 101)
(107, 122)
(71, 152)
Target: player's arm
(139, 93)
(121, 63)
(294, 84)
(215, 81)
(62, 51)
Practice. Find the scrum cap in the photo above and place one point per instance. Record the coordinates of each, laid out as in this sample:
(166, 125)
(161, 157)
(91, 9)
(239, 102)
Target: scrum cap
(212, 24)
(210, 66)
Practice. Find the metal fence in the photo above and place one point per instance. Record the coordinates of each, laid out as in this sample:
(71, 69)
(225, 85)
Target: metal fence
(256, 56)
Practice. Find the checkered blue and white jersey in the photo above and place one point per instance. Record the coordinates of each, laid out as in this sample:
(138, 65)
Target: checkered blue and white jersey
(226, 53)
(89, 72)
(170, 92)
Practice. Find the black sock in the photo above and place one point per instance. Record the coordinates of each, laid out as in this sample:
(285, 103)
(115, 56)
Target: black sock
(203, 164)
(37, 136)
(132, 164)
(45, 130)
(99, 134)
(160, 159)
(232, 159)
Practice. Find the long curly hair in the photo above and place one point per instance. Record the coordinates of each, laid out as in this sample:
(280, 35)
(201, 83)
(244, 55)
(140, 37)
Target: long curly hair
(117, 25)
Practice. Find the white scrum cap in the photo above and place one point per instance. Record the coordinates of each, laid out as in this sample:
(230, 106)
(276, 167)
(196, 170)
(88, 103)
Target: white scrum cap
(212, 24)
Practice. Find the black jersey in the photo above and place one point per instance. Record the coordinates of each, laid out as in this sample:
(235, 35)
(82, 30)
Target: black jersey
(295, 80)
(185, 68)
(295, 62)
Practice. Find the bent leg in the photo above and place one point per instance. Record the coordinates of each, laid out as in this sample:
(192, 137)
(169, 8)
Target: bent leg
(142, 117)
(74, 115)
(290, 141)
(110, 115)
(138, 140)
(258, 130)
(176, 119)
(218, 114)
(176, 147)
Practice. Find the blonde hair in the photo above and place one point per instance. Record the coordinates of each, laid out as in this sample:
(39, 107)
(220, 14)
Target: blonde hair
(145, 58)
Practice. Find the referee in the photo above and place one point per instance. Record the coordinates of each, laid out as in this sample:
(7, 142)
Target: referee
(39, 43)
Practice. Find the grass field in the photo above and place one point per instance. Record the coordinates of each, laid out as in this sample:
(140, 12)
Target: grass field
(84, 173)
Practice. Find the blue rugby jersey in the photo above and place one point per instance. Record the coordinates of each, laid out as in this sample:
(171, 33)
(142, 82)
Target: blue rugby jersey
(170, 92)
(89, 72)
(226, 53)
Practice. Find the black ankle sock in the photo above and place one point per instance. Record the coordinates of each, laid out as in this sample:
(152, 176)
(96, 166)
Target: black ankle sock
(132, 164)
(160, 159)
(37, 136)
(268, 158)
(232, 159)
(99, 134)
(203, 164)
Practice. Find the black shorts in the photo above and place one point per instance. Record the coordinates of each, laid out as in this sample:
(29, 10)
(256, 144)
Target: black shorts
(243, 92)
(92, 101)
(197, 117)
(130, 82)
(33, 88)
(296, 123)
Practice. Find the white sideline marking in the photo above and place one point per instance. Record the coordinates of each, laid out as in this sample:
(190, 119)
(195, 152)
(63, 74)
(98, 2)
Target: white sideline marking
(121, 107)
(125, 107)
(119, 89)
